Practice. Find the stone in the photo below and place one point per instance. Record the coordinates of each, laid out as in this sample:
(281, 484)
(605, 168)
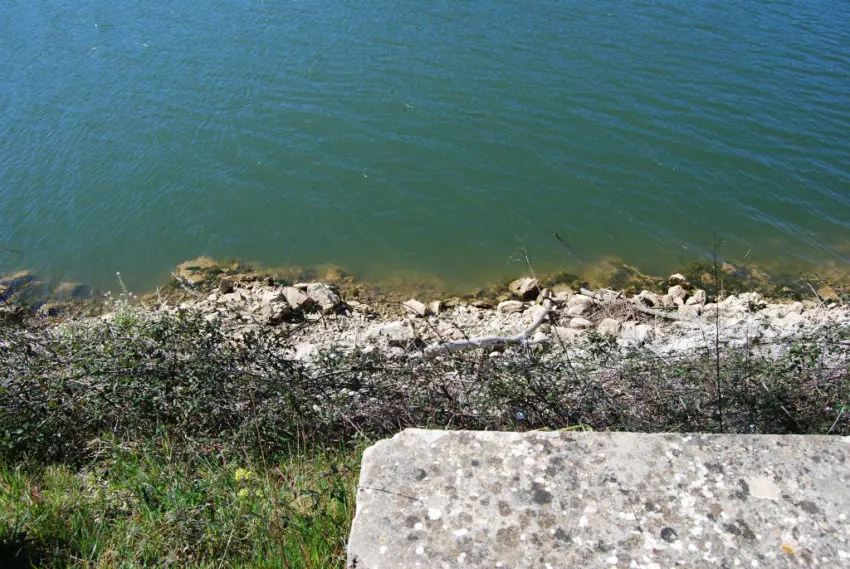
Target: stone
(297, 299)
(650, 299)
(481, 500)
(398, 333)
(580, 324)
(690, 310)
(637, 334)
(699, 298)
(510, 307)
(678, 279)
(66, 290)
(667, 301)
(568, 335)
(225, 286)
(197, 271)
(678, 294)
(435, 306)
(609, 327)
(304, 352)
(324, 296)
(580, 305)
(792, 321)
(273, 307)
(416, 307)
(526, 288)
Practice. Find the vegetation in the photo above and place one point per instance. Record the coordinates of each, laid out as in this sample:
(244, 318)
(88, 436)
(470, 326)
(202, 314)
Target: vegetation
(157, 439)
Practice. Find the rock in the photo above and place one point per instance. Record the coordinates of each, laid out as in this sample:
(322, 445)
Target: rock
(678, 279)
(225, 286)
(580, 324)
(699, 298)
(324, 295)
(435, 306)
(510, 307)
(650, 299)
(690, 310)
(544, 294)
(304, 352)
(66, 290)
(416, 307)
(792, 321)
(297, 299)
(197, 271)
(525, 288)
(678, 294)
(17, 279)
(398, 333)
(533, 313)
(568, 335)
(580, 305)
(609, 327)
(359, 307)
(637, 334)
(480, 500)
(667, 301)
(234, 300)
(273, 307)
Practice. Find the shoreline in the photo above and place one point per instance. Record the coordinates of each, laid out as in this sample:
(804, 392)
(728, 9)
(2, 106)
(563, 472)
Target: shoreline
(203, 273)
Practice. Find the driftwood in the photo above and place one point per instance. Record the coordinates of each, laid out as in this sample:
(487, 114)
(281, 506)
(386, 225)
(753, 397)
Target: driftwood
(484, 341)
(614, 295)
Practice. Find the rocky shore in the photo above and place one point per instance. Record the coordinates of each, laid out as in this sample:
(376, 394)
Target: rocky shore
(317, 317)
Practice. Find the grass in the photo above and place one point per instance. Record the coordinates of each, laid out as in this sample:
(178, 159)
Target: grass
(145, 504)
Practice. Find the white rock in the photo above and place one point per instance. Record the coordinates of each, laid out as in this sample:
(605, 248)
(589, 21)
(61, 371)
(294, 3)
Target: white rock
(297, 299)
(637, 334)
(397, 333)
(678, 279)
(568, 335)
(667, 301)
(435, 306)
(324, 296)
(792, 321)
(304, 352)
(609, 326)
(510, 307)
(416, 307)
(690, 310)
(698, 298)
(580, 324)
(677, 293)
(579, 305)
(650, 299)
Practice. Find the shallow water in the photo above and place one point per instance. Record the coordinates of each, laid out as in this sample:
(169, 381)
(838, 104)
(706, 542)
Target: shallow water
(441, 138)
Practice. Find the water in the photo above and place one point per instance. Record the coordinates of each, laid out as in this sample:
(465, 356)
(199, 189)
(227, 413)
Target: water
(432, 137)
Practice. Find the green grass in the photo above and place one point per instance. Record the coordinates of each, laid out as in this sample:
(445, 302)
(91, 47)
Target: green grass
(149, 505)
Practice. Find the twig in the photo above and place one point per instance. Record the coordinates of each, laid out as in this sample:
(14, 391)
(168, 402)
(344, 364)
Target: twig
(817, 296)
(840, 413)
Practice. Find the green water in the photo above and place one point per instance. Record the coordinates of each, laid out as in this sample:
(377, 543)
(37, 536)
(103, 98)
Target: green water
(421, 136)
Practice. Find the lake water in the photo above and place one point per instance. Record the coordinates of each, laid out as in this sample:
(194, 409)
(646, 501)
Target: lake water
(424, 136)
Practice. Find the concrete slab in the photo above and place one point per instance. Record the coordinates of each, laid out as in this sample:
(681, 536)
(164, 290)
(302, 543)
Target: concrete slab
(615, 500)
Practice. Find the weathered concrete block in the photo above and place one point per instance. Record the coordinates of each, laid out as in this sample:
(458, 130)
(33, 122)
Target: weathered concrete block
(615, 500)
